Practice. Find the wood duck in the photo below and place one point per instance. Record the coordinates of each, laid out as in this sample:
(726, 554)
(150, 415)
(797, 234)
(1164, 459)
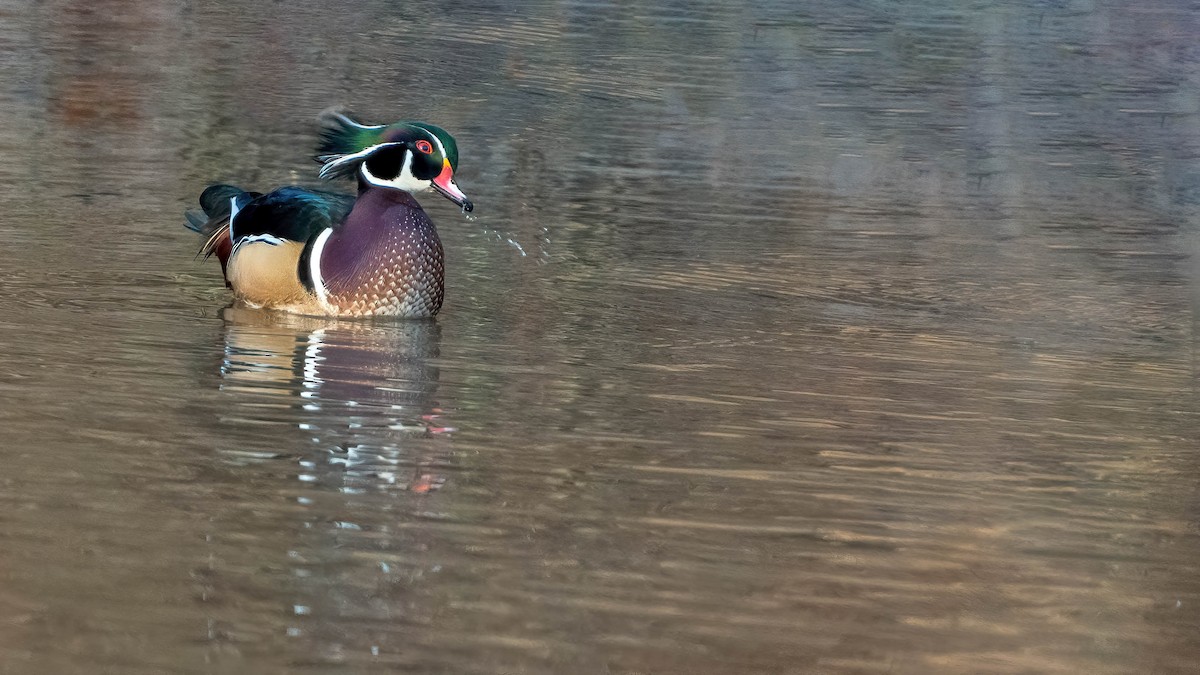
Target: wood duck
(326, 253)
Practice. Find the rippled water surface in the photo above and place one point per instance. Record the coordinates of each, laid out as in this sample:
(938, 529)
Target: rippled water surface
(835, 337)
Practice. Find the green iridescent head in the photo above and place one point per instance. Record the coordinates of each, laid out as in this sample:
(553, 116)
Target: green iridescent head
(409, 156)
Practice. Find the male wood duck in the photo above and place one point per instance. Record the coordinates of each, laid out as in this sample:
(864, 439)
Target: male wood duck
(317, 252)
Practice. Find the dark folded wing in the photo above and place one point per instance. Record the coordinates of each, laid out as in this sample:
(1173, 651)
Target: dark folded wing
(290, 214)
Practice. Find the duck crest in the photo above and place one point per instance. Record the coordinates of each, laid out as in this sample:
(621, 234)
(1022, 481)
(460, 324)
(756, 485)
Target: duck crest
(318, 252)
(341, 138)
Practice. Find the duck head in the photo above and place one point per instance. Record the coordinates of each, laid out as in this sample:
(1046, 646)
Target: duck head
(408, 156)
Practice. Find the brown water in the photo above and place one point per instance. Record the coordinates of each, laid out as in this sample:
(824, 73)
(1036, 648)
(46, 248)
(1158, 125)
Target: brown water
(851, 338)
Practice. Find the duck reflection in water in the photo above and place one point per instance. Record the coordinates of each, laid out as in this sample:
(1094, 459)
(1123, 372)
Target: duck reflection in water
(362, 392)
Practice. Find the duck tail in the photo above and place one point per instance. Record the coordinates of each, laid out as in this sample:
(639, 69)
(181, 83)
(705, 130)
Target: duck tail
(218, 205)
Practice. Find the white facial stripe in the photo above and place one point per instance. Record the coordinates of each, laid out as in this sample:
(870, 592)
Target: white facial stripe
(314, 268)
(440, 146)
(333, 164)
(351, 123)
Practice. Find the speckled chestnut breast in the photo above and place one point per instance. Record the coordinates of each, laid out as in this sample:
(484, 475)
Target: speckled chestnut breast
(385, 260)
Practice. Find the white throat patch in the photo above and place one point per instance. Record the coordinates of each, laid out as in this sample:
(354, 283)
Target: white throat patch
(405, 181)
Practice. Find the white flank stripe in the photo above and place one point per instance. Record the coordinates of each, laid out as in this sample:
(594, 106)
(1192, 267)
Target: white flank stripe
(233, 211)
(314, 268)
(265, 238)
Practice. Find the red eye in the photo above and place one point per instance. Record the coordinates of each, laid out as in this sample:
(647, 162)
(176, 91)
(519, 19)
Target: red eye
(425, 147)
